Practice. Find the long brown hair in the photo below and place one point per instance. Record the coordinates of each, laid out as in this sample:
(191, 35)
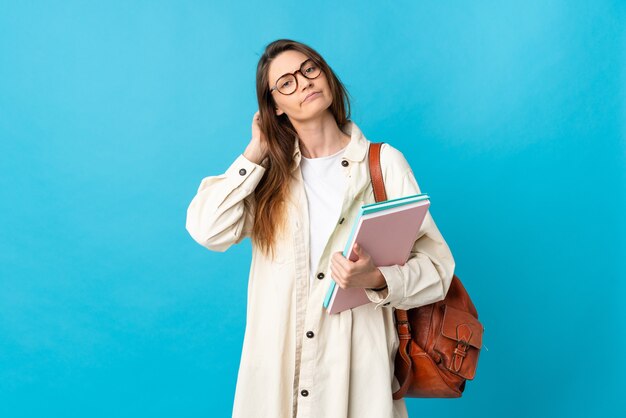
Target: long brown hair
(272, 191)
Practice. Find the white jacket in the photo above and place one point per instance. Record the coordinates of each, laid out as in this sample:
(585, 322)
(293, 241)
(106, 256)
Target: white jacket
(297, 360)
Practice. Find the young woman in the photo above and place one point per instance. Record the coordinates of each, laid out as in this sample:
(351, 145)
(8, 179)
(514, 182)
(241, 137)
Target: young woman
(296, 190)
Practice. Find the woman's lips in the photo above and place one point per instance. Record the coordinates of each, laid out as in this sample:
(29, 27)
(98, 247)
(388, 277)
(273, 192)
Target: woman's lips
(312, 96)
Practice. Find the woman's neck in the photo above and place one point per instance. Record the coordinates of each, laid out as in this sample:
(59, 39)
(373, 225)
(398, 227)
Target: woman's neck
(320, 137)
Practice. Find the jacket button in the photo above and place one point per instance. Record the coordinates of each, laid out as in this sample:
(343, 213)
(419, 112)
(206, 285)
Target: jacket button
(242, 171)
(320, 276)
(310, 334)
(304, 392)
(344, 163)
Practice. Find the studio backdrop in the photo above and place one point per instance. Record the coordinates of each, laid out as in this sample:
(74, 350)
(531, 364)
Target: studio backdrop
(512, 115)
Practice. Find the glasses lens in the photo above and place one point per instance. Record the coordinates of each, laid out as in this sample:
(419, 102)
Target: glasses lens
(311, 69)
(287, 84)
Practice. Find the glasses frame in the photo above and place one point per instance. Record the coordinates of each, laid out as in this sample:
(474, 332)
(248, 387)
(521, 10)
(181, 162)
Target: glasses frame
(299, 70)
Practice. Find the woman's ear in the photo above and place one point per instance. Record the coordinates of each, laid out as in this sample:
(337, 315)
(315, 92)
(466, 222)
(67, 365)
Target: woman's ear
(278, 111)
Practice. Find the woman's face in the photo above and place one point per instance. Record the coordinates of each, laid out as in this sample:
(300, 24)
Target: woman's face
(295, 105)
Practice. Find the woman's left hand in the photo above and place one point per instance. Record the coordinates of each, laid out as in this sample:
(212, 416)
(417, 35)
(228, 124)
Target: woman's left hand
(360, 273)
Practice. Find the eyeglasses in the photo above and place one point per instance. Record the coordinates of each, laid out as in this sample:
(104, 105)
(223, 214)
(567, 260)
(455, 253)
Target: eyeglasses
(288, 83)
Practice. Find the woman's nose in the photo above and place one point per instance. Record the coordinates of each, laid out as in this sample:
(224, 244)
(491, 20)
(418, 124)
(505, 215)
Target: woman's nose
(303, 81)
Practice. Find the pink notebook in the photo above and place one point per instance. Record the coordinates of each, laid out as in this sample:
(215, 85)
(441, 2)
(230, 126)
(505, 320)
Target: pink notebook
(388, 235)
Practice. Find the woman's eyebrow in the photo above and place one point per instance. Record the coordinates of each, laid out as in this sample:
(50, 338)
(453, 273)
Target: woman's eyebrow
(300, 66)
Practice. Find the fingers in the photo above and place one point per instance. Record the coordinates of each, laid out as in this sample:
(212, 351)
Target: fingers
(341, 260)
(360, 252)
(339, 270)
(336, 276)
(340, 276)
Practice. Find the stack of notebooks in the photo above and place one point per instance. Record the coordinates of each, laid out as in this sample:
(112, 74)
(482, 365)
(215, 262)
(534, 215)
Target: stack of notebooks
(387, 231)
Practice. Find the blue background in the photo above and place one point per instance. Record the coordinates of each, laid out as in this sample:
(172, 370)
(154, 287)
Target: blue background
(512, 115)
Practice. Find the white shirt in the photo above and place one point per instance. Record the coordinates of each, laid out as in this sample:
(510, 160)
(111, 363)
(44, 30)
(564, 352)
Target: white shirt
(324, 184)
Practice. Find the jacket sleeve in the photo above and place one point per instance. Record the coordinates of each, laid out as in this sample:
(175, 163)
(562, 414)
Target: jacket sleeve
(426, 276)
(222, 211)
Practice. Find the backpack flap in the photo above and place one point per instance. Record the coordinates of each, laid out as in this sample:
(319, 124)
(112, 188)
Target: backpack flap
(460, 341)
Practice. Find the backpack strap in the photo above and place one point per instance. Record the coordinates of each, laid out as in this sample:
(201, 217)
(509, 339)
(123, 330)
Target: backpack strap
(376, 174)
(402, 321)
(404, 348)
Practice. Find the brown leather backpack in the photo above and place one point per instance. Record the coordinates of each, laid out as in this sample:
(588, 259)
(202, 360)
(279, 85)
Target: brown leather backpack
(440, 342)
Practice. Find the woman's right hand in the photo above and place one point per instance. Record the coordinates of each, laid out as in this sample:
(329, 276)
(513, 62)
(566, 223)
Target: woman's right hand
(257, 148)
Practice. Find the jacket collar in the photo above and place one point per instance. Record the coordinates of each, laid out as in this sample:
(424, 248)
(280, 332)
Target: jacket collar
(355, 151)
